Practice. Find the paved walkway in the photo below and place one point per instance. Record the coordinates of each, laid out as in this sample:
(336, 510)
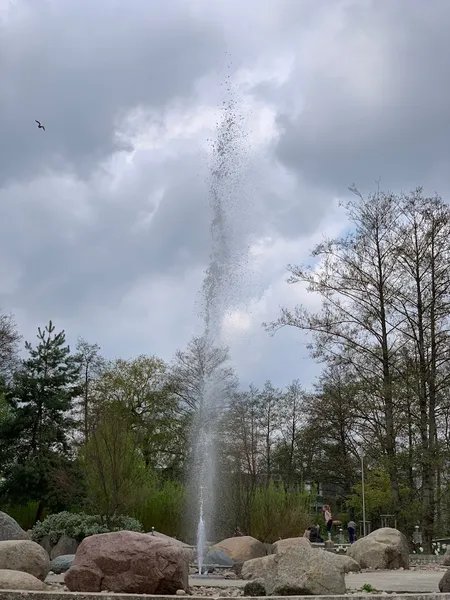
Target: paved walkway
(396, 581)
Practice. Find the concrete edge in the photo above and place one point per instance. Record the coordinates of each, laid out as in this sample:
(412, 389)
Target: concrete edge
(55, 595)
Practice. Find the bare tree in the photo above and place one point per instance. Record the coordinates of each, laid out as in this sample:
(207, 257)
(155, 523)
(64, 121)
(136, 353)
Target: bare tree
(9, 345)
(423, 301)
(356, 278)
(201, 362)
(92, 364)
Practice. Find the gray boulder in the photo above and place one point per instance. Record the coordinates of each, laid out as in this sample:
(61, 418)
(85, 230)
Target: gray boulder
(446, 559)
(288, 543)
(61, 564)
(444, 583)
(384, 548)
(342, 561)
(10, 529)
(66, 545)
(242, 548)
(26, 556)
(217, 557)
(18, 580)
(299, 571)
(254, 588)
(46, 544)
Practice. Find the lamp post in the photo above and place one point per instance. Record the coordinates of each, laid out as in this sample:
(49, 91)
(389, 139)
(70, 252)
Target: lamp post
(361, 454)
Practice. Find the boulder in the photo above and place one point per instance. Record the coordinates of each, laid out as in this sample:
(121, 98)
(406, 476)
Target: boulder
(217, 557)
(237, 568)
(167, 538)
(257, 568)
(254, 588)
(18, 580)
(446, 559)
(10, 529)
(341, 560)
(46, 544)
(66, 545)
(191, 550)
(61, 564)
(242, 548)
(286, 544)
(299, 571)
(130, 563)
(384, 548)
(444, 583)
(26, 556)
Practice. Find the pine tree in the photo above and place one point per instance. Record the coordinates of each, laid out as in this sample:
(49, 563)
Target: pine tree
(39, 464)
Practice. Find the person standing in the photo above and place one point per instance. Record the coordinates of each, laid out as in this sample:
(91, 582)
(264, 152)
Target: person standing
(351, 528)
(328, 519)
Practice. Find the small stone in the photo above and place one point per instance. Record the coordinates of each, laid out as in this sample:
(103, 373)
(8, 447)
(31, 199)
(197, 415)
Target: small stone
(254, 588)
(181, 593)
(230, 575)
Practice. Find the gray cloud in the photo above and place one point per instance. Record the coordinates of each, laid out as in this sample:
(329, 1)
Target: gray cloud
(104, 224)
(376, 104)
(80, 66)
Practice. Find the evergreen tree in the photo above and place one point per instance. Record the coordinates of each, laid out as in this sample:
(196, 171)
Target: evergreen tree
(35, 439)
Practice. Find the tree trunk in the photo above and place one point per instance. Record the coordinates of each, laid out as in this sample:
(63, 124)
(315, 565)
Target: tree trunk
(40, 512)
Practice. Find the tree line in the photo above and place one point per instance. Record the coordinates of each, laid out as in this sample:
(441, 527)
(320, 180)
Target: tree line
(80, 432)
(382, 333)
(77, 430)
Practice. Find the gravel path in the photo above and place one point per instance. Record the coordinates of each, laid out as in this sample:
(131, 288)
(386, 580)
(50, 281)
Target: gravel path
(420, 580)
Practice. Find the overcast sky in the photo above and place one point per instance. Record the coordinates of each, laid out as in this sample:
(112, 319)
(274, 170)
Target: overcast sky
(104, 222)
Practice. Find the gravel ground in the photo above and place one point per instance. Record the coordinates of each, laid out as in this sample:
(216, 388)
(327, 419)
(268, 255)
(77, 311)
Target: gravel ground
(423, 579)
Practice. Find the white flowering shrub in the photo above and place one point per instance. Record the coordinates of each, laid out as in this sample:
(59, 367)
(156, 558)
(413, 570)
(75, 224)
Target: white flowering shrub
(79, 525)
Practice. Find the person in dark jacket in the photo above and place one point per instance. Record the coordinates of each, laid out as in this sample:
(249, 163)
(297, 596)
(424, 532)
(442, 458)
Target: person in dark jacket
(351, 528)
(314, 534)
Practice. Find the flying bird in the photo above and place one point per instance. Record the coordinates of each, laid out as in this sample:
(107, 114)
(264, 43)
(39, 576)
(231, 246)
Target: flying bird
(40, 126)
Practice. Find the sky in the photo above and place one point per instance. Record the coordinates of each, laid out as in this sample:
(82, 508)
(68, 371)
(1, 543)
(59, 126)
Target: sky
(104, 217)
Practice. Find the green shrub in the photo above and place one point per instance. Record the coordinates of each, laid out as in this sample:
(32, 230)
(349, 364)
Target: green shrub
(25, 515)
(163, 508)
(277, 513)
(79, 526)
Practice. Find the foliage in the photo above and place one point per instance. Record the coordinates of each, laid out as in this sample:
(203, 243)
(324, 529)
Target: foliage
(79, 526)
(378, 497)
(9, 345)
(141, 387)
(277, 513)
(25, 514)
(163, 508)
(35, 444)
(114, 468)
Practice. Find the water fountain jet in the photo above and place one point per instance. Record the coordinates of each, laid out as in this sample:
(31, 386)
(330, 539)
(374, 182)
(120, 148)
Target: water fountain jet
(218, 294)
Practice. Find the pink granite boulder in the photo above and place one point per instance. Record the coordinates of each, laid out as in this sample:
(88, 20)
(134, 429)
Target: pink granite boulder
(130, 563)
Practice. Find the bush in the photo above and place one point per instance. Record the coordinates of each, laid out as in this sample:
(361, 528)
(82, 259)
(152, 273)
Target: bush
(277, 513)
(79, 526)
(163, 508)
(25, 515)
